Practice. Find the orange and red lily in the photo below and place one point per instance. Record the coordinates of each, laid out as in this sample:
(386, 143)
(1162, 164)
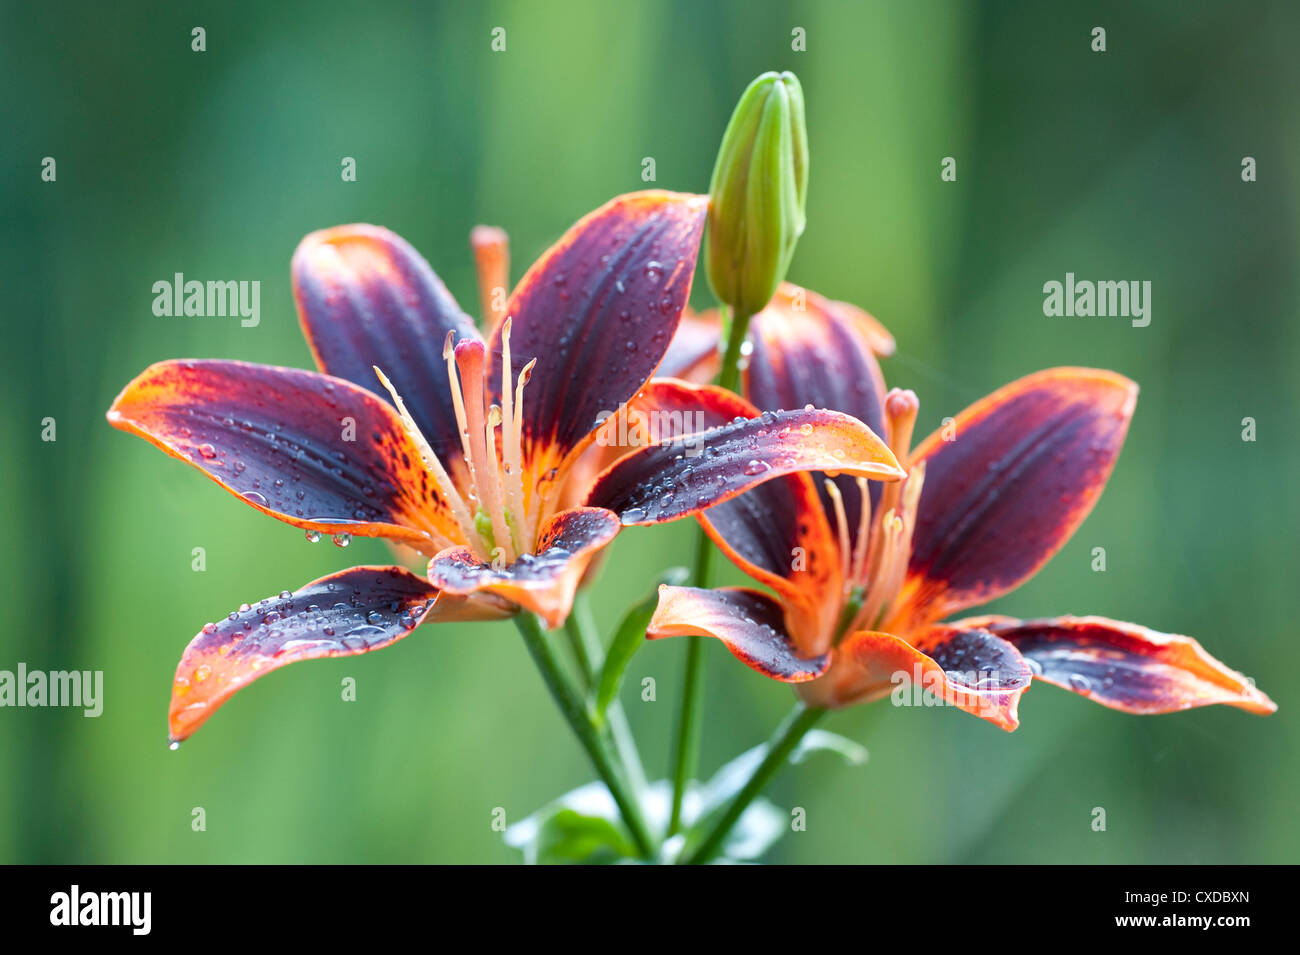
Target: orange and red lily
(410, 431)
(864, 573)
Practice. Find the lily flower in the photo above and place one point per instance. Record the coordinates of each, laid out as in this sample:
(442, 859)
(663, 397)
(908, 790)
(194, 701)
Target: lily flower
(863, 575)
(418, 430)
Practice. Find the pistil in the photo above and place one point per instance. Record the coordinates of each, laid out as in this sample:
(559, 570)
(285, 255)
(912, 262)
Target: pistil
(468, 358)
(492, 262)
(880, 558)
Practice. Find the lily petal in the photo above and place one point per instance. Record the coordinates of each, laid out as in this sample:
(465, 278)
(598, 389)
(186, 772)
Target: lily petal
(750, 623)
(543, 583)
(966, 667)
(809, 350)
(807, 353)
(872, 330)
(684, 476)
(314, 451)
(776, 532)
(693, 353)
(1022, 469)
(347, 613)
(366, 299)
(1125, 666)
(598, 311)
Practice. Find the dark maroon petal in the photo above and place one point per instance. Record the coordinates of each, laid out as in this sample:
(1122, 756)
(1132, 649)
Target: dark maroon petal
(1009, 482)
(366, 299)
(598, 310)
(808, 350)
(813, 356)
(778, 533)
(693, 354)
(1125, 666)
(315, 451)
(544, 582)
(681, 477)
(355, 611)
(750, 623)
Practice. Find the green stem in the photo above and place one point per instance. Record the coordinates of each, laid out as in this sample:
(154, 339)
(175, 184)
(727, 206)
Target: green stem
(588, 663)
(783, 741)
(590, 652)
(686, 752)
(574, 710)
(737, 329)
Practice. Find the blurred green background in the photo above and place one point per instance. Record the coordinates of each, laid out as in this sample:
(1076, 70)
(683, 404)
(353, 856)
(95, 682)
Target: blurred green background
(1122, 165)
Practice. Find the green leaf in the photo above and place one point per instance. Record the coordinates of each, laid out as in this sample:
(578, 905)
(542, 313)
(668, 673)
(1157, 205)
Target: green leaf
(580, 826)
(757, 830)
(751, 836)
(819, 741)
(569, 836)
(627, 640)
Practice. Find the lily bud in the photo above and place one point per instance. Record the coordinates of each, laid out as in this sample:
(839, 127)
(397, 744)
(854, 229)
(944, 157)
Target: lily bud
(759, 186)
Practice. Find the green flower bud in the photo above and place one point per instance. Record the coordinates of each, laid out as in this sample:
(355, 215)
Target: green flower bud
(760, 184)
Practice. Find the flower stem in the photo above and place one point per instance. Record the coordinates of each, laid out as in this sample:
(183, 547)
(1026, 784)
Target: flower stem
(786, 737)
(574, 710)
(737, 329)
(686, 750)
(590, 652)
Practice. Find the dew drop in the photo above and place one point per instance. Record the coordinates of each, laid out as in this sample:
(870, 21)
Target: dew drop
(313, 536)
(342, 539)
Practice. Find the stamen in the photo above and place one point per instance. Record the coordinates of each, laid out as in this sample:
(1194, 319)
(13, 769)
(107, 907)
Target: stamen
(891, 527)
(858, 575)
(842, 526)
(512, 437)
(457, 399)
(469, 359)
(492, 262)
(439, 474)
(516, 459)
(889, 581)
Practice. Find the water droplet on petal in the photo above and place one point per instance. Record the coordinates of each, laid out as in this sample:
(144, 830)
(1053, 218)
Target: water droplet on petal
(313, 536)
(342, 539)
